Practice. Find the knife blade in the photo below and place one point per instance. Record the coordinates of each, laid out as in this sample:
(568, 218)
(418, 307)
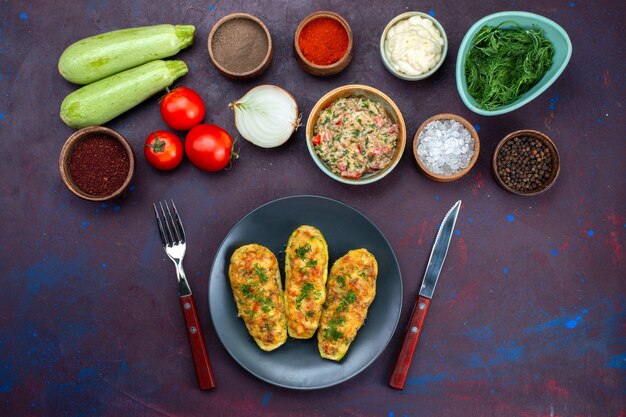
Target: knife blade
(429, 282)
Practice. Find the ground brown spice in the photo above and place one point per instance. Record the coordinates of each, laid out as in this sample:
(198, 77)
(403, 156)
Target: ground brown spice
(240, 45)
(99, 165)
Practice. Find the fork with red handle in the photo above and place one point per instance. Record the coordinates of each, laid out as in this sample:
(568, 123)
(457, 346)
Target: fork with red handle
(174, 242)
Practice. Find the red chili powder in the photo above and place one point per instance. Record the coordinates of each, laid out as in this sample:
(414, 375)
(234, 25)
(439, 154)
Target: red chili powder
(99, 165)
(323, 41)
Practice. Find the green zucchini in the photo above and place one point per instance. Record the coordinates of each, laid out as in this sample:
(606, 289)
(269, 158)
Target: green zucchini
(94, 58)
(99, 102)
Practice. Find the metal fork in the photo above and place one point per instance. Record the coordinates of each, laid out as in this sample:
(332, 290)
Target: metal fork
(175, 243)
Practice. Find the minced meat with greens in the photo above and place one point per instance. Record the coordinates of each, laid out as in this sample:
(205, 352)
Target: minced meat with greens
(354, 136)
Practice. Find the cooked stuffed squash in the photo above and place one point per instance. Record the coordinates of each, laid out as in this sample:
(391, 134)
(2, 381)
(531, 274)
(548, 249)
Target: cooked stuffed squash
(350, 290)
(255, 280)
(306, 271)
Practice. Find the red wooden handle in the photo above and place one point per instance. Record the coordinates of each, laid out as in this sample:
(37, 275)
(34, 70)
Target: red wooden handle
(196, 340)
(403, 363)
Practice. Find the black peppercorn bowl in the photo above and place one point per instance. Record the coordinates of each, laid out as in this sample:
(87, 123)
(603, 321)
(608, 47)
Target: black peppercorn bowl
(68, 148)
(553, 153)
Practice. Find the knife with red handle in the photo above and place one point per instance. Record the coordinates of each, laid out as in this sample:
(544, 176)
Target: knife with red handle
(416, 323)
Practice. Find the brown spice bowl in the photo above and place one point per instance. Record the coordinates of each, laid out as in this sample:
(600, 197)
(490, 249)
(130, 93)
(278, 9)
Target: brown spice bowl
(323, 70)
(356, 90)
(554, 153)
(68, 148)
(458, 175)
(248, 74)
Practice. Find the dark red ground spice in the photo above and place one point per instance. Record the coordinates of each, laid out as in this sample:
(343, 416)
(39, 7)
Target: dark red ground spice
(99, 165)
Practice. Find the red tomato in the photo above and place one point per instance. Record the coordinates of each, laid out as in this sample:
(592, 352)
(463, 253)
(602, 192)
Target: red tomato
(163, 150)
(182, 108)
(209, 147)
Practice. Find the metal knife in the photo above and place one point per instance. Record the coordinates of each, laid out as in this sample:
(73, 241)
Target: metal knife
(433, 269)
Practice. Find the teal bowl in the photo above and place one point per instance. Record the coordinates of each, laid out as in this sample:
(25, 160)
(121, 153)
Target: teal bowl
(552, 31)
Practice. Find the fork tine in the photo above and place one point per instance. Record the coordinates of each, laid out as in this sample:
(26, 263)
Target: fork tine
(159, 225)
(179, 222)
(170, 220)
(167, 230)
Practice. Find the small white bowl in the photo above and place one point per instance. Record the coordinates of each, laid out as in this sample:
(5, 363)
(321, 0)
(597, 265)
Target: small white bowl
(444, 49)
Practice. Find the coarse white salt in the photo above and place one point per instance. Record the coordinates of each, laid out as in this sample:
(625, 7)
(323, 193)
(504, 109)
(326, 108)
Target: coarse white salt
(445, 147)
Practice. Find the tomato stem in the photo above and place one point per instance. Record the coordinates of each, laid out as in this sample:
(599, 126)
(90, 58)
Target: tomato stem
(234, 154)
(157, 146)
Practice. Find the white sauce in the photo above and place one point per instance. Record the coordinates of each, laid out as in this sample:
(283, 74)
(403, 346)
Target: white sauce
(413, 46)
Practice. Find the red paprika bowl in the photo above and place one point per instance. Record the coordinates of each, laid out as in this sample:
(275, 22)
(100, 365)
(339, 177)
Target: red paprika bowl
(68, 148)
(323, 70)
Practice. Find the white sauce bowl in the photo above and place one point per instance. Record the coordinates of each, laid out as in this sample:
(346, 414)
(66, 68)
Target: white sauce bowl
(388, 64)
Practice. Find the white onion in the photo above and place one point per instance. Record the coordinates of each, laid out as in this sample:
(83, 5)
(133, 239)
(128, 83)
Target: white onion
(266, 116)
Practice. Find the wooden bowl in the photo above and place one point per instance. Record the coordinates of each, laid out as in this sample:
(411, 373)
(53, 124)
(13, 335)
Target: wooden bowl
(356, 90)
(323, 70)
(248, 74)
(68, 148)
(439, 177)
(554, 153)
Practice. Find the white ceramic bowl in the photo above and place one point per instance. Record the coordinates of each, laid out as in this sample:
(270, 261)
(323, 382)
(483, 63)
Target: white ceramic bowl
(383, 56)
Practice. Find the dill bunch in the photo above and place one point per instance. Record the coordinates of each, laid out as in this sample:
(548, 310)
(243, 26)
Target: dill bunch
(503, 64)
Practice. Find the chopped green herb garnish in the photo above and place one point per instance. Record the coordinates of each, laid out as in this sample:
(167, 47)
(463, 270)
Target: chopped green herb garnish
(301, 251)
(331, 331)
(246, 290)
(266, 304)
(310, 313)
(307, 287)
(345, 301)
(260, 272)
(341, 280)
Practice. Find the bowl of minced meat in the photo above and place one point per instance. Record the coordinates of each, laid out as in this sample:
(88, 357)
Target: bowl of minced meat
(356, 134)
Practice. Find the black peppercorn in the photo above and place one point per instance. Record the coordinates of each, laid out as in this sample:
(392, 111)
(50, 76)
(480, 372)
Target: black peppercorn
(524, 163)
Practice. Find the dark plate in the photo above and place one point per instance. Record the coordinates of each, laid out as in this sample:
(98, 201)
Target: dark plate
(297, 363)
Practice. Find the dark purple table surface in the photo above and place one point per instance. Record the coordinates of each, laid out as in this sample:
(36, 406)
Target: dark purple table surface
(528, 317)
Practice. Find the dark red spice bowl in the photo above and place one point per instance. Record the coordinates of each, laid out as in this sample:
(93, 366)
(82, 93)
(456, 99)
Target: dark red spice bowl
(105, 163)
(321, 28)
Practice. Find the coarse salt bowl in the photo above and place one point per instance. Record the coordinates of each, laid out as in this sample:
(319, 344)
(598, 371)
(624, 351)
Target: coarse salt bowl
(357, 90)
(68, 149)
(439, 177)
(387, 62)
